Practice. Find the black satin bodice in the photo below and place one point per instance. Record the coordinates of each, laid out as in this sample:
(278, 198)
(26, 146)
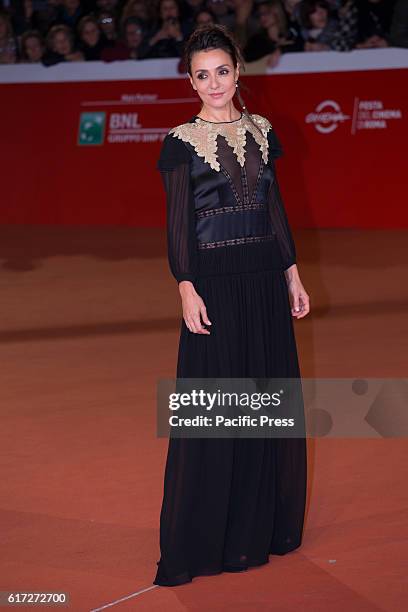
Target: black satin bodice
(231, 203)
(209, 208)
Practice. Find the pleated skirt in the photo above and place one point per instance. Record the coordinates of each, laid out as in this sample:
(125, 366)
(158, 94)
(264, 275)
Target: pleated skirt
(229, 503)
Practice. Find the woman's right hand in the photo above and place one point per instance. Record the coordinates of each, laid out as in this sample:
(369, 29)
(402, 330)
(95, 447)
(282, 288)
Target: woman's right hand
(193, 307)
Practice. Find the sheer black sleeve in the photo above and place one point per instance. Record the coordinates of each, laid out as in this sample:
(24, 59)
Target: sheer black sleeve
(174, 167)
(280, 223)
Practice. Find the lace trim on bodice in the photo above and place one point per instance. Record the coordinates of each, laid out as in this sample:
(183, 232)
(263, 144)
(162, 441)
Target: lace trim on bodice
(202, 135)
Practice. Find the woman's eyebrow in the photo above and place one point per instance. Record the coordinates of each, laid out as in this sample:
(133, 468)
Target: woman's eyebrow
(205, 70)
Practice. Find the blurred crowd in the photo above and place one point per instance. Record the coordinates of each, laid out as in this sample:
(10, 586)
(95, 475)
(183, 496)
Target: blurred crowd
(54, 31)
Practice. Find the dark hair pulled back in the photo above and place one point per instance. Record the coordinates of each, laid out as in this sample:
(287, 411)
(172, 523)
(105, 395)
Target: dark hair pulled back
(216, 36)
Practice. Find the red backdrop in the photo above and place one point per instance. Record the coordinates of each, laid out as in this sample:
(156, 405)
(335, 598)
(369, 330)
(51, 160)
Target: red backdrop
(344, 135)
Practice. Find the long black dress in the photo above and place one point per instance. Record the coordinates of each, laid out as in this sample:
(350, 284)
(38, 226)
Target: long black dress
(228, 503)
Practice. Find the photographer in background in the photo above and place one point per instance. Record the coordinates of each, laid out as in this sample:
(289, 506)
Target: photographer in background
(167, 39)
(274, 37)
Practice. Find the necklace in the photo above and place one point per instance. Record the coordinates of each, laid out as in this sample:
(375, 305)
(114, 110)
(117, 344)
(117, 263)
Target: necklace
(202, 136)
(207, 121)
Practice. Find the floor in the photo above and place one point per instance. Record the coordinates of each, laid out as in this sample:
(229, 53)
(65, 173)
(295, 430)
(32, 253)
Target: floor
(89, 323)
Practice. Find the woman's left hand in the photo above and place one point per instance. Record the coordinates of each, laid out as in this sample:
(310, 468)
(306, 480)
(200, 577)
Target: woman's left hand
(299, 299)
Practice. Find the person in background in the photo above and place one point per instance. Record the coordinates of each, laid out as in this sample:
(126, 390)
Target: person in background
(319, 25)
(110, 9)
(346, 13)
(272, 40)
(107, 24)
(291, 10)
(347, 31)
(261, 27)
(32, 47)
(142, 10)
(107, 5)
(34, 15)
(237, 16)
(135, 37)
(8, 44)
(191, 7)
(132, 45)
(91, 39)
(189, 11)
(167, 40)
(399, 25)
(222, 12)
(167, 9)
(290, 7)
(245, 23)
(60, 46)
(374, 23)
(69, 13)
(204, 17)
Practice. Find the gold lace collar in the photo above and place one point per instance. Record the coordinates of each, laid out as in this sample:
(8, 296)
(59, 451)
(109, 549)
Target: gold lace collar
(202, 135)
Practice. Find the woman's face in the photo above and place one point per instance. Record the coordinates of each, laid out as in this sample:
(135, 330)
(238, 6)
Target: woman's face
(90, 34)
(318, 18)
(61, 43)
(212, 72)
(34, 49)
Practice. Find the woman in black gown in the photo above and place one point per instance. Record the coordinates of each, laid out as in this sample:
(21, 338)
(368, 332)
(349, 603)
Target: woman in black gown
(229, 502)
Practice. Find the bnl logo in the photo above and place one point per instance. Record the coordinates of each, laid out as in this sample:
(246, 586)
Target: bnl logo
(92, 128)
